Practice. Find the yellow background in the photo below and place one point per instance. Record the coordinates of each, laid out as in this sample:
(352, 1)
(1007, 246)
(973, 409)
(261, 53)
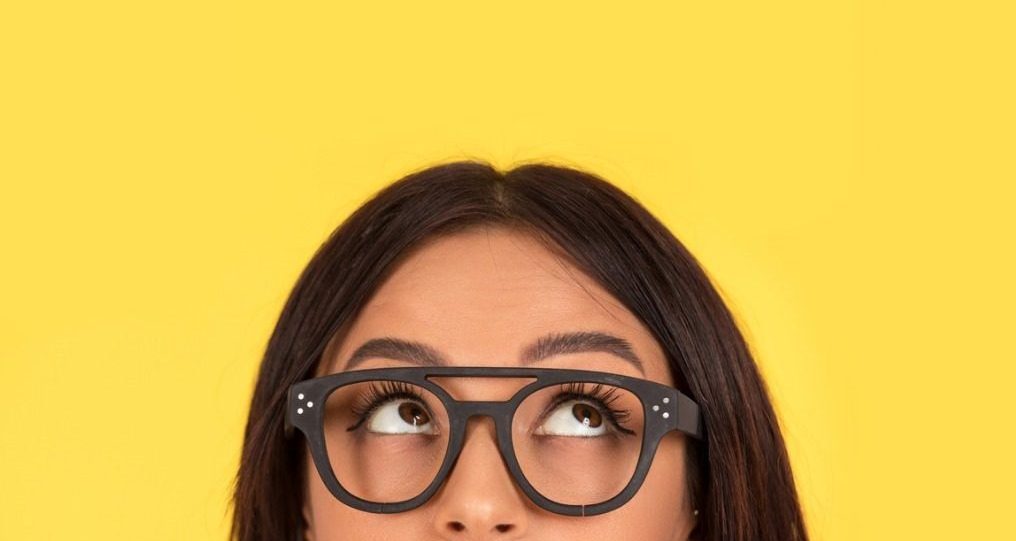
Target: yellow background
(843, 169)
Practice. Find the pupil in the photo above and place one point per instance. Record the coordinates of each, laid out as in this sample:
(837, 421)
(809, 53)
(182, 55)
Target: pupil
(587, 415)
(412, 414)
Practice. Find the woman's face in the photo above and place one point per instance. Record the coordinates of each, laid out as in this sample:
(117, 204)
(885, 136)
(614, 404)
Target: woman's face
(479, 297)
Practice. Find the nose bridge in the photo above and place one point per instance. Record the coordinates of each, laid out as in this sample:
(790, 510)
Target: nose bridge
(483, 408)
(489, 408)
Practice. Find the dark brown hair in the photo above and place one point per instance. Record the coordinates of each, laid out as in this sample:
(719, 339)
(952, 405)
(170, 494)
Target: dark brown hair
(739, 476)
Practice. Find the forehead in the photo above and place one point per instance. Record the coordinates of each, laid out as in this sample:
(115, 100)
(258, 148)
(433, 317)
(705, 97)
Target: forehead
(480, 296)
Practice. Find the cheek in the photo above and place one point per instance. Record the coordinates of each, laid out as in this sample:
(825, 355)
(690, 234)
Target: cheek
(335, 521)
(666, 482)
(659, 510)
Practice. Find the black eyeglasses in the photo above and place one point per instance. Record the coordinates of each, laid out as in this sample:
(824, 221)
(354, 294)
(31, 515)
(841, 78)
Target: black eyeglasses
(577, 442)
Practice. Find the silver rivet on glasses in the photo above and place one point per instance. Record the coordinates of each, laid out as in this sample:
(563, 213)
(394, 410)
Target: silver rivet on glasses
(666, 414)
(310, 404)
(666, 399)
(299, 396)
(656, 408)
(299, 410)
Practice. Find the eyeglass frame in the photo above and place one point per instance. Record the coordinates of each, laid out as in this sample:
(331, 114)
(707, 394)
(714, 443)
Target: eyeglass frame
(665, 409)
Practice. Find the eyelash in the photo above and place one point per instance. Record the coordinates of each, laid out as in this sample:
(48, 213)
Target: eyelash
(367, 402)
(603, 400)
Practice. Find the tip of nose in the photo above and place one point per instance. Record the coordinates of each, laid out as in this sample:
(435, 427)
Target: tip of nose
(500, 528)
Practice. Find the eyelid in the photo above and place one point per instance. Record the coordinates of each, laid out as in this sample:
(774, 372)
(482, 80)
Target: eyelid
(615, 417)
(368, 401)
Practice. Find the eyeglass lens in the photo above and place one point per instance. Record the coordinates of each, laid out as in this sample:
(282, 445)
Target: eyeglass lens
(577, 443)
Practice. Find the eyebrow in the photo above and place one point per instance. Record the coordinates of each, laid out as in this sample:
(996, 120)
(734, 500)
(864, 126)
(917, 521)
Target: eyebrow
(544, 347)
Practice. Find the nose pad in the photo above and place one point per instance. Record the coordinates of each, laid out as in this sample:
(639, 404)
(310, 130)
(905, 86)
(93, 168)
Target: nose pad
(480, 496)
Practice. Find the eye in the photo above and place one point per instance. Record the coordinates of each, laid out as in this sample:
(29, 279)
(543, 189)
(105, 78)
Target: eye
(573, 418)
(400, 416)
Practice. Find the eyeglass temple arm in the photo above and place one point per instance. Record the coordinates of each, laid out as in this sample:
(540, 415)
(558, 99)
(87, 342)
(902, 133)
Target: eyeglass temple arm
(688, 418)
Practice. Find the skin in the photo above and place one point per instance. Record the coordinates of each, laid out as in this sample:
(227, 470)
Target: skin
(479, 297)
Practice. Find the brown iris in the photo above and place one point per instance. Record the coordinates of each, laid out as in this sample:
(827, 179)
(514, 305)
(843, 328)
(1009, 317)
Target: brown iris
(413, 414)
(583, 412)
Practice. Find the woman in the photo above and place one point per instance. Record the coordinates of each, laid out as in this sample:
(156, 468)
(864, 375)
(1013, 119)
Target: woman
(526, 354)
